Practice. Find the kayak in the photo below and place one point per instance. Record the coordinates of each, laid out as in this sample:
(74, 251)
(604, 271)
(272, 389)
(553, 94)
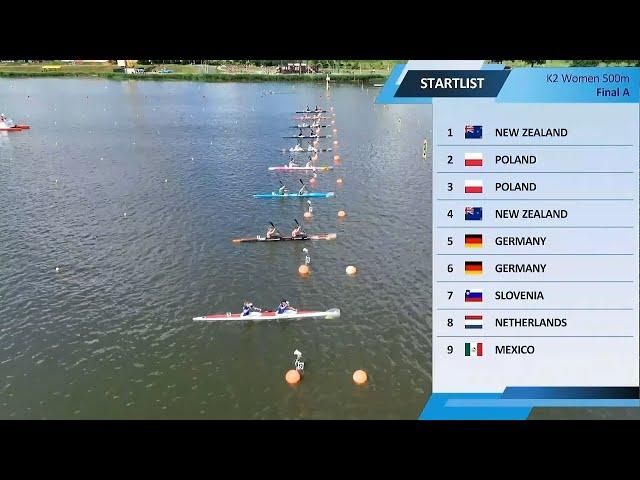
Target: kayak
(311, 117)
(295, 195)
(307, 150)
(307, 136)
(24, 127)
(268, 315)
(286, 168)
(306, 125)
(12, 129)
(312, 111)
(319, 236)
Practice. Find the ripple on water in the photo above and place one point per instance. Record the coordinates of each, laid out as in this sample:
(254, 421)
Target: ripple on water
(112, 330)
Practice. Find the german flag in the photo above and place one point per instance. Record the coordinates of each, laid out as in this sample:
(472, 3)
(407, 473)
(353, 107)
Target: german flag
(473, 241)
(473, 268)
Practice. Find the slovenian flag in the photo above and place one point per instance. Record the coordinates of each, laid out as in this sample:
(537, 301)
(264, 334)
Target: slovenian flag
(473, 186)
(473, 349)
(473, 268)
(473, 131)
(473, 159)
(473, 240)
(473, 322)
(473, 213)
(473, 296)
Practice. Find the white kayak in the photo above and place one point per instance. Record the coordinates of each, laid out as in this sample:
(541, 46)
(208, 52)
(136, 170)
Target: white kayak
(267, 315)
(308, 149)
(287, 168)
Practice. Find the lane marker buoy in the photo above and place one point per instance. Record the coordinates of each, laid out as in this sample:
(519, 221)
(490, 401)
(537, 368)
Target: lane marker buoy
(303, 270)
(360, 377)
(292, 377)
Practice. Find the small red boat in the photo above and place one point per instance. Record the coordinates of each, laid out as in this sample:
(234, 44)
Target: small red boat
(17, 128)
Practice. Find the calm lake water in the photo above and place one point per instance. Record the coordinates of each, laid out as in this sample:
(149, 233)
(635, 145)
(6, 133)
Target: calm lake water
(111, 334)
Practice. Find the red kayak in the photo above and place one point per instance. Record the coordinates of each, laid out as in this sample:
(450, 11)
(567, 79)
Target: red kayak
(269, 315)
(17, 128)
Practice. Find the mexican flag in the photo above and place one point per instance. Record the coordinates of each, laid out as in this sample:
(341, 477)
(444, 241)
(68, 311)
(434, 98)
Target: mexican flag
(473, 349)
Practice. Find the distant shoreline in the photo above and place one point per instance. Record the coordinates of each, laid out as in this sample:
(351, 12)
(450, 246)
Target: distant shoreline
(351, 78)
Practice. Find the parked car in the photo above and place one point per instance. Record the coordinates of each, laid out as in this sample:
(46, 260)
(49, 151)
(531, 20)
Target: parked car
(165, 70)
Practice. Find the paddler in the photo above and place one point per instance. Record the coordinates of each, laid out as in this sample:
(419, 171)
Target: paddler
(292, 163)
(282, 190)
(309, 164)
(298, 232)
(284, 307)
(310, 207)
(272, 232)
(302, 190)
(248, 308)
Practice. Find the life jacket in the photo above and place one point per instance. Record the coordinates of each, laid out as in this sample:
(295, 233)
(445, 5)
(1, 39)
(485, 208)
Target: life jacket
(246, 310)
(281, 309)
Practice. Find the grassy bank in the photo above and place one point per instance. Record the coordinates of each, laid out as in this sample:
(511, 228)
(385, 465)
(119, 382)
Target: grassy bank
(190, 73)
(205, 77)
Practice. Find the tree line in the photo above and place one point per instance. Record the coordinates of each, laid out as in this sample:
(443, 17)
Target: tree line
(575, 63)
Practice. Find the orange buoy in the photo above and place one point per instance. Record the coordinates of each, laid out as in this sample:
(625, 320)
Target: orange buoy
(335, 142)
(339, 181)
(336, 158)
(292, 377)
(307, 215)
(335, 130)
(303, 269)
(359, 377)
(333, 122)
(312, 180)
(315, 143)
(342, 214)
(314, 157)
(351, 270)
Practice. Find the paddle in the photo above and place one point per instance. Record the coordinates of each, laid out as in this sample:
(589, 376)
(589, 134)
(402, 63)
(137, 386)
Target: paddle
(277, 231)
(300, 192)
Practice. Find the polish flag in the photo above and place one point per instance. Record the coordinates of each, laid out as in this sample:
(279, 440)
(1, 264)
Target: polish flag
(473, 186)
(473, 159)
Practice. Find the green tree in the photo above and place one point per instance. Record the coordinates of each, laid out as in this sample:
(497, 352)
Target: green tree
(585, 63)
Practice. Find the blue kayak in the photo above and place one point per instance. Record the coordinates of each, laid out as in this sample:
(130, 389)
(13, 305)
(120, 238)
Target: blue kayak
(295, 195)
